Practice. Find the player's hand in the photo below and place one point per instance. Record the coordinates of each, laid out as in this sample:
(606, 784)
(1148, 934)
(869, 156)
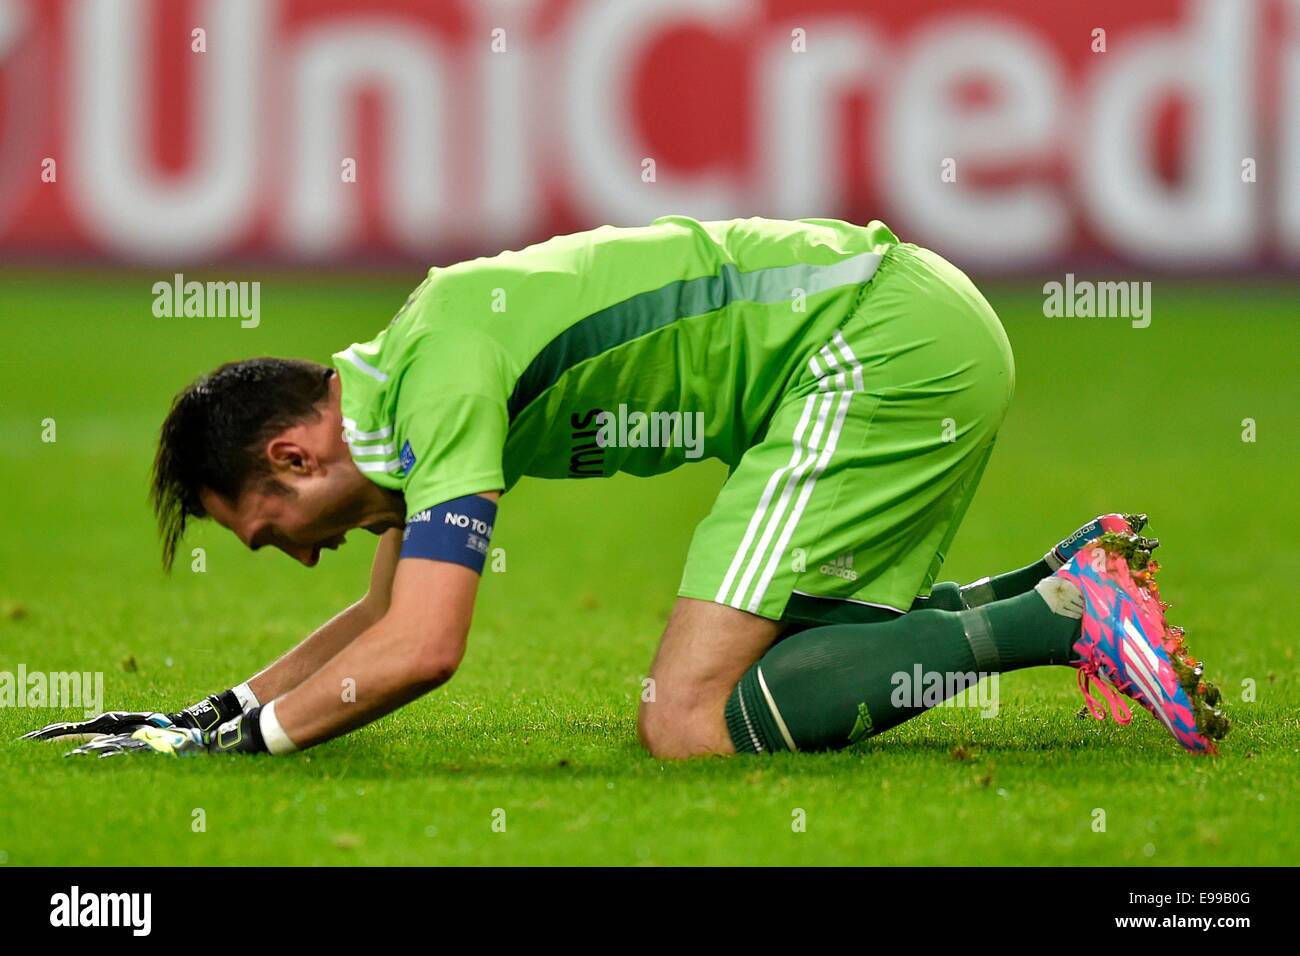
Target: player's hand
(208, 714)
(112, 722)
(242, 734)
(169, 741)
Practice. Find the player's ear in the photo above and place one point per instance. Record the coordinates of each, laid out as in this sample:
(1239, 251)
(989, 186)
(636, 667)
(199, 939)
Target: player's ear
(288, 456)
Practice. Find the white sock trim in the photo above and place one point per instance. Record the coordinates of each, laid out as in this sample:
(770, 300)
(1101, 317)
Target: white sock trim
(277, 741)
(247, 699)
(771, 705)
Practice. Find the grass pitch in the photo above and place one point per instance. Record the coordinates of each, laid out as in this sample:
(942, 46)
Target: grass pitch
(538, 726)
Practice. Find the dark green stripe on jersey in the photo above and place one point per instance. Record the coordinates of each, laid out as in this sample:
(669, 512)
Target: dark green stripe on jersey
(687, 298)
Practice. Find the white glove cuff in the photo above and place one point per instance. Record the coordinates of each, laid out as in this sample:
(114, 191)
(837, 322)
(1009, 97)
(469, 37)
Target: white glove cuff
(247, 699)
(273, 735)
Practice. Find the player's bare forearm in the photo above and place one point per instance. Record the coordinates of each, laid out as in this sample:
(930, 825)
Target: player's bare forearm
(338, 632)
(414, 645)
(414, 648)
(313, 651)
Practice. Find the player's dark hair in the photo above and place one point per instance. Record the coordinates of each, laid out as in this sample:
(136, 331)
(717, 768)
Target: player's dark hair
(216, 431)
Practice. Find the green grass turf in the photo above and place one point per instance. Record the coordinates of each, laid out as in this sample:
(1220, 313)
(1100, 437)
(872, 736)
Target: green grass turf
(540, 720)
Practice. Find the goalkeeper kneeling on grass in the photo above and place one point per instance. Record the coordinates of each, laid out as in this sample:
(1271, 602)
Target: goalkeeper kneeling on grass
(854, 385)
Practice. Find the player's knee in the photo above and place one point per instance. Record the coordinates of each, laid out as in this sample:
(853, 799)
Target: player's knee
(667, 743)
(651, 730)
(675, 733)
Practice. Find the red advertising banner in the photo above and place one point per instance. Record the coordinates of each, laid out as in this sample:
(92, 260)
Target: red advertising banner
(1005, 133)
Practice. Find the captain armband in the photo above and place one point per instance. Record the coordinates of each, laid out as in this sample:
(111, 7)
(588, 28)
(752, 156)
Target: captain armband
(457, 531)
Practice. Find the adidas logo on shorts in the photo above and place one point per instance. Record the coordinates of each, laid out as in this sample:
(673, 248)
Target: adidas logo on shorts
(840, 567)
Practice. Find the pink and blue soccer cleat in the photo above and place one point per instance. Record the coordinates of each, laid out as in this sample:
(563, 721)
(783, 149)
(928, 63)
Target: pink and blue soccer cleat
(1126, 646)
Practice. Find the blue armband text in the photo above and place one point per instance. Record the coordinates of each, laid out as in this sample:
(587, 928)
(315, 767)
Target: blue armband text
(457, 531)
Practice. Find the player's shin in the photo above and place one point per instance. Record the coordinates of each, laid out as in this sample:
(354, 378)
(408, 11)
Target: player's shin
(829, 687)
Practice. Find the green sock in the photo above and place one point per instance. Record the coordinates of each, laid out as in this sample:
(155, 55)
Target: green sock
(944, 596)
(950, 596)
(831, 686)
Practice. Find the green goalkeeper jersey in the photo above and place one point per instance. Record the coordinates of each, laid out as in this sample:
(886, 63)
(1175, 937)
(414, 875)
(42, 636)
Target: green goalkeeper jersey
(615, 350)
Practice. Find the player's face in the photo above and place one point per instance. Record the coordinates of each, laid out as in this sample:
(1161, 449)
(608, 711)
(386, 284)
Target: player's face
(302, 522)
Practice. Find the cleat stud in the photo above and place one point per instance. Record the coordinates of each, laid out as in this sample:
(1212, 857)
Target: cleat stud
(1135, 521)
(1217, 725)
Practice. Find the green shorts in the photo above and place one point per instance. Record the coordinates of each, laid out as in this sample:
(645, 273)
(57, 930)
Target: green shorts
(855, 490)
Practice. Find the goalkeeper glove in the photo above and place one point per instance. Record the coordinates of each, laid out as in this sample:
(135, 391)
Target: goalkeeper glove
(208, 714)
(243, 734)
